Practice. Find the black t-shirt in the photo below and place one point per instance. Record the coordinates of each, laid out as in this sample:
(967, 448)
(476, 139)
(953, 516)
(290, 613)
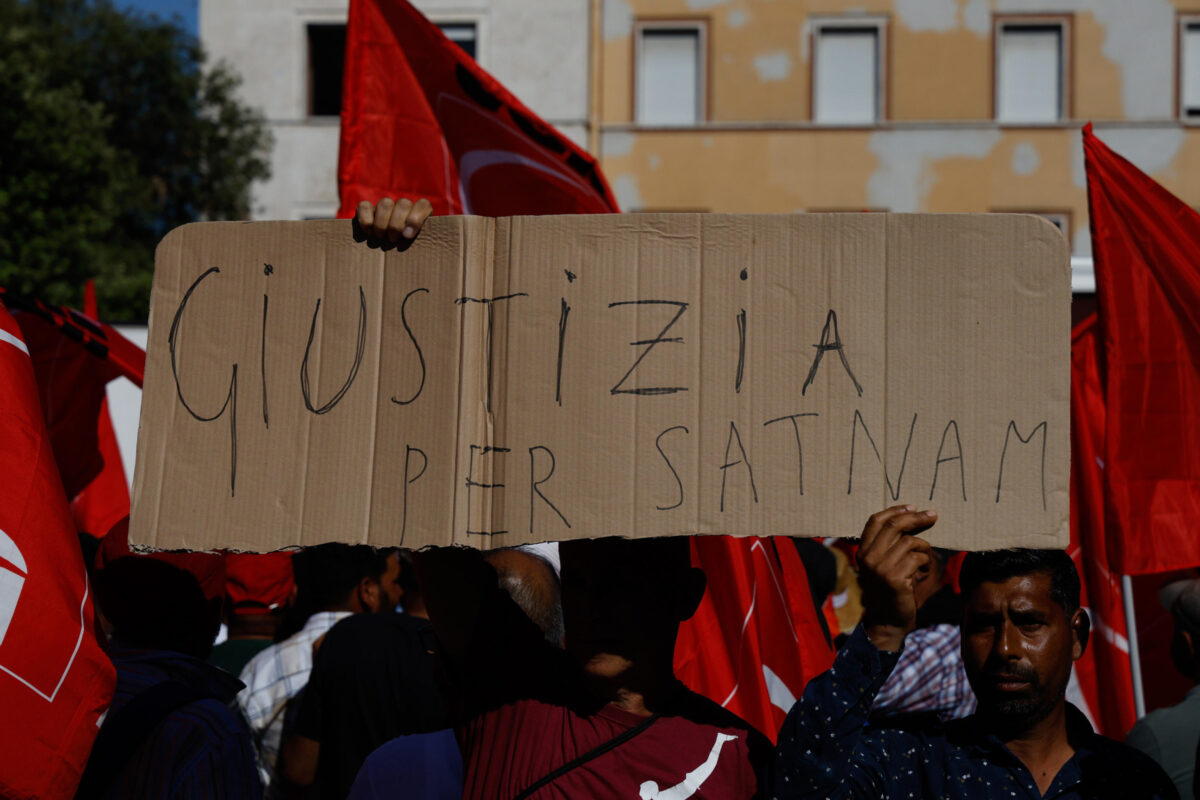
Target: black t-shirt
(373, 679)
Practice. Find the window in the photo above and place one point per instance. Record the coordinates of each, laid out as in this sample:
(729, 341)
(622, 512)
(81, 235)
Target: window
(847, 73)
(326, 55)
(670, 75)
(1030, 74)
(462, 34)
(1189, 68)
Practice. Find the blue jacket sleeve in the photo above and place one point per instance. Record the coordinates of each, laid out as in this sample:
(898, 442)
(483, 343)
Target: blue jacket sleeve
(824, 749)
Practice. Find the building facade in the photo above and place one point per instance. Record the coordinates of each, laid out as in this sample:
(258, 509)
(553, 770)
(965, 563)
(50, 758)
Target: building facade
(893, 105)
(779, 105)
(289, 54)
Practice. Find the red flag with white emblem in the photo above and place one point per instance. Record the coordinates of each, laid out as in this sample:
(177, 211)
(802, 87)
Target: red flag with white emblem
(755, 641)
(1103, 674)
(421, 119)
(55, 681)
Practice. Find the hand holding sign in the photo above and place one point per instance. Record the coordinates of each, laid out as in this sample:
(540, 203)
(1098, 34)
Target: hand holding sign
(892, 560)
(392, 220)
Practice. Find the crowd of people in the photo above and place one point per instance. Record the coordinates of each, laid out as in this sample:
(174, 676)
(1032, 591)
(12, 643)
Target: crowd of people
(546, 671)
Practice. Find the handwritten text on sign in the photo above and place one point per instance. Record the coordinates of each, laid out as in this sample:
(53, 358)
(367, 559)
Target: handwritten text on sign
(540, 378)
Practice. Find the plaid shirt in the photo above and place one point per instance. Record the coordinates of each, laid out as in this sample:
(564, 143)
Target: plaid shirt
(275, 676)
(929, 676)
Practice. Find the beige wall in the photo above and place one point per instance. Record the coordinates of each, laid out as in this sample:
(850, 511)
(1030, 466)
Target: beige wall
(937, 147)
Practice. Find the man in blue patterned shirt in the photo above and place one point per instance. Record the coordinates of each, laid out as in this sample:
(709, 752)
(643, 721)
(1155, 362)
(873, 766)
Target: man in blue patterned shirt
(1022, 630)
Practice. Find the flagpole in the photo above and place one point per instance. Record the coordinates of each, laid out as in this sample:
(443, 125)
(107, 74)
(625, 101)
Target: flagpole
(1135, 659)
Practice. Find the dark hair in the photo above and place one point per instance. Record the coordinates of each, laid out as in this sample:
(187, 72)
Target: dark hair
(327, 573)
(153, 604)
(995, 566)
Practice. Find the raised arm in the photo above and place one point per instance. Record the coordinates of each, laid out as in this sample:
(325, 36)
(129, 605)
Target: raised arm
(824, 748)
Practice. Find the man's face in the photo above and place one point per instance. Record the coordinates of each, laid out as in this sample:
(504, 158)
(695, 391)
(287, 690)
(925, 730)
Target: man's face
(390, 593)
(1018, 645)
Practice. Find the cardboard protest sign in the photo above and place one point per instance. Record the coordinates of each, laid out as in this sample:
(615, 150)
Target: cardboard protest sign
(543, 378)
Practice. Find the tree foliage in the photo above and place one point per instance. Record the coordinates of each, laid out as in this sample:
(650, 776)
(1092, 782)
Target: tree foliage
(113, 131)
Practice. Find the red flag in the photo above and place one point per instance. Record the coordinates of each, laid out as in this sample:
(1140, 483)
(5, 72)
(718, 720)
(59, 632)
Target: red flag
(421, 119)
(755, 641)
(1104, 673)
(105, 501)
(54, 679)
(1146, 248)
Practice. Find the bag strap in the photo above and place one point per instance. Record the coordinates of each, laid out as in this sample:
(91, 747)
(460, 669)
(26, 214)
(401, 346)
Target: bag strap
(126, 729)
(590, 755)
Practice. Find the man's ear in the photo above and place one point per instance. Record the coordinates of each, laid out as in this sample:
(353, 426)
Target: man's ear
(691, 592)
(1081, 629)
(368, 595)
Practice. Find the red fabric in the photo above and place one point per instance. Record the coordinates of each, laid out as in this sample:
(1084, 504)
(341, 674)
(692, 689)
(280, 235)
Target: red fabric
(54, 679)
(758, 606)
(1146, 248)
(74, 358)
(421, 119)
(255, 582)
(105, 501)
(1104, 672)
(502, 759)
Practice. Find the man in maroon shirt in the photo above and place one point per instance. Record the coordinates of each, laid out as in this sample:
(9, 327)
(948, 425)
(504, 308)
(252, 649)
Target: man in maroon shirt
(606, 717)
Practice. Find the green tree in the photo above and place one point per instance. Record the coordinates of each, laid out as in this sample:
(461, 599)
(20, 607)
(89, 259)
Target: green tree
(113, 131)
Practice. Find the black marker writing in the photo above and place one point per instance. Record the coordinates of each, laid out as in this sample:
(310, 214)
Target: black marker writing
(562, 335)
(408, 451)
(793, 418)
(895, 492)
(358, 357)
(825, 345)
(416, 346)
(670, 466)
(650, 343)
(962, 473)
(230, 397)
(741, 326)
(262, 360)
(1012, 428)
(733, 434)
(472, 483)
(488, 302)
(535, 482)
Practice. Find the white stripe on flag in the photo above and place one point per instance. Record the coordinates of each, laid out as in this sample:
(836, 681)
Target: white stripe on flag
(5, 336)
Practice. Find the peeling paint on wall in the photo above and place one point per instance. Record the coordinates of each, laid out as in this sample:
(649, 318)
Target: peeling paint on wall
(1081, 244)
(977, 17)
(618, 19)
(939, 16)
(1152, 150)
(904, 177)
(616, 144)
(654, 161)
(1025, 159)
(697, 5)
(1141, 44)
(625, 187)
(774, 66)
(737, 18)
